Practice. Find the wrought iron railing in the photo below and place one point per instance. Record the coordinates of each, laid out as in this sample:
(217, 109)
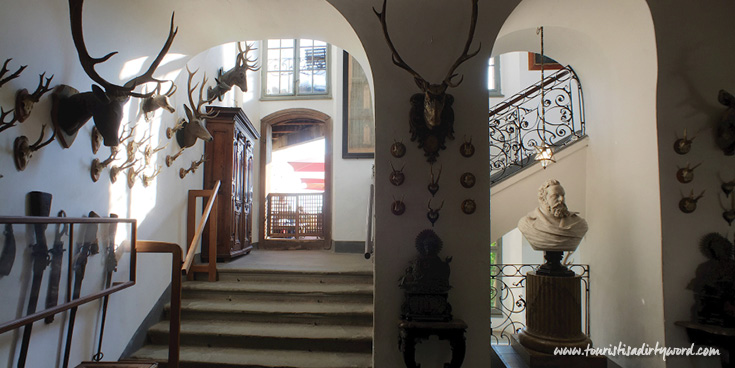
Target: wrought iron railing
(508, 296)
(516, 124)
(295, 215)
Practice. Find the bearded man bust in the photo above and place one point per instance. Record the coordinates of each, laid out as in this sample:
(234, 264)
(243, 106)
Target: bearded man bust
(551, 226)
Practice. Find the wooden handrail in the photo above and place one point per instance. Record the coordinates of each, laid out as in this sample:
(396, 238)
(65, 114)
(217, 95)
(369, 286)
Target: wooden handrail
(149, 246)
(194, 239)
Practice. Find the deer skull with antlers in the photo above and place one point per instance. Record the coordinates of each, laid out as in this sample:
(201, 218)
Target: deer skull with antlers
(431, 116)
(157, 101)
(71, 109)
(194, 128)
(235, 76)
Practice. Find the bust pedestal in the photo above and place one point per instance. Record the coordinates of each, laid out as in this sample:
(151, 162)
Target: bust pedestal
(553, 313)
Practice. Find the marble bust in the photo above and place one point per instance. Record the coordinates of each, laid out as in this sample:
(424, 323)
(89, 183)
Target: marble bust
(551, 226)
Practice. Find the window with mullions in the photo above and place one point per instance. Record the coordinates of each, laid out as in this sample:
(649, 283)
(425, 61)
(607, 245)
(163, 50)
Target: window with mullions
(296, 68)
(493, 77)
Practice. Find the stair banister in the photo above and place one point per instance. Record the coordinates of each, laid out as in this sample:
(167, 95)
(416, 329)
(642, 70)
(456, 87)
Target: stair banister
(209, 217)
(149, 246)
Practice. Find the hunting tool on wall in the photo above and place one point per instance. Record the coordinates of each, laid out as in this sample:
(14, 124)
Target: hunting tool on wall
(72, 109)
(109, 231)
(432, 116)
(39, 205)
(7, 258)
(88, 247)
(57, 256)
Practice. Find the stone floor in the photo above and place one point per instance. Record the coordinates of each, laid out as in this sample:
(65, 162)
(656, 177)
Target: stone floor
(300, 260)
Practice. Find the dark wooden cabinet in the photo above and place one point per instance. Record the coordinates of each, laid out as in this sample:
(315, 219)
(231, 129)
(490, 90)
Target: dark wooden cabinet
(229, 159)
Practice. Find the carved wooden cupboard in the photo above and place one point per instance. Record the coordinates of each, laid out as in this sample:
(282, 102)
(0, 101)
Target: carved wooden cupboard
(229, 158)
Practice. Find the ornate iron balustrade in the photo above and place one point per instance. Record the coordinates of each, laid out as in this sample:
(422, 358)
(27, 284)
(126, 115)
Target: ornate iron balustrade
(516, 127)
(507, 292)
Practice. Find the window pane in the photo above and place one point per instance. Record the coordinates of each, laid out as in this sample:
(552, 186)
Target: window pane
(287, 43)
(273, 59)
(320, 43)
(272, 44)
(286, 83)
(306, 42)
(272, 86)
(287, 59)
(320, 82)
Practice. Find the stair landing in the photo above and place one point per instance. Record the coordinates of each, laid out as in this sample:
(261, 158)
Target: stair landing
(295, 309)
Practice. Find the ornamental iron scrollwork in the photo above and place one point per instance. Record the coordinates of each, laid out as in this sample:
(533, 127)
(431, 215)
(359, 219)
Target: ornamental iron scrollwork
(508, 299)
(516, 128)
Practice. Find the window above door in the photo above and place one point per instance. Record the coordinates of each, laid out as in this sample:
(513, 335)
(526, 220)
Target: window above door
(296, 69)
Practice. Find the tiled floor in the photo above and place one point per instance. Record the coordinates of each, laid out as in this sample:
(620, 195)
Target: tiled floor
(300, 260)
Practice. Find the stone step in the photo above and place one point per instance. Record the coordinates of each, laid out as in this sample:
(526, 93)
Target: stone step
(327, 277)
(260, 335)
(278, 291)
(307, 312)
(211, 357)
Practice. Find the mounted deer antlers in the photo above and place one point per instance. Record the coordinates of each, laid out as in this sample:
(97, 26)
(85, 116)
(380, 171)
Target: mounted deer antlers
(6, 124)
(431, 116)
(24, 101)
(192, 168)
(97, 166)
(22, 151)
(5, 69)
(235, 76)
(157, 101)
(73, 109)
(194, 128)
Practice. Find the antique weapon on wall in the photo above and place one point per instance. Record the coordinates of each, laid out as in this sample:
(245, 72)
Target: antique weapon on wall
(188, 130)
(7, 258)
(39, 205)
(86, 249)
(71, 109)
(235, 76)
(108, 238)
(57, 256)
(157, 101)
(25, 101)
(22, 151)
(5, 70)
(192, 168)
(431, 116)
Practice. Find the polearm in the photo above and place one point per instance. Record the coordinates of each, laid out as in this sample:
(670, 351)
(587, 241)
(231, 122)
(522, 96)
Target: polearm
(108, 237)
(57, 256)
(8, 256)
(87, 248)
(40, 205)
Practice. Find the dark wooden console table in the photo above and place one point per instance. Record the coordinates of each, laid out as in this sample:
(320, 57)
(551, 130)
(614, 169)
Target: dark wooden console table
(714, 336)
(413, 332)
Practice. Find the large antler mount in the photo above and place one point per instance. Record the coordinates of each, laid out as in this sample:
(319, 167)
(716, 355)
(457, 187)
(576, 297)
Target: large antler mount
(71, 109)
(431, 118)
(193, 127)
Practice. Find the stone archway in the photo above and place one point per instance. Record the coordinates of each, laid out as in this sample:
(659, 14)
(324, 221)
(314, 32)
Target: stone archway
(286, 116)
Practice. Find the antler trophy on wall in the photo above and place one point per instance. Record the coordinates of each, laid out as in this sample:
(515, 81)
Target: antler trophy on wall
(431, 116)
(235, 76)
(71, 109)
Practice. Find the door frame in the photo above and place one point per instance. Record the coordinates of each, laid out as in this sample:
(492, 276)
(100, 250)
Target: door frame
(266, 130)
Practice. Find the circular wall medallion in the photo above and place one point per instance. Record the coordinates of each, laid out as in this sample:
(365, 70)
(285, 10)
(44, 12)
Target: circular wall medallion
(467, 180)
(467, 149)
(469, 206)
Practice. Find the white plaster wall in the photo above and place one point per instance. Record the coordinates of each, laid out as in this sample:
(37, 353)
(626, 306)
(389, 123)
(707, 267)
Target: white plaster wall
(430, 36)
(622, 205)
(695, 53)
(516, 196)
(37, 33)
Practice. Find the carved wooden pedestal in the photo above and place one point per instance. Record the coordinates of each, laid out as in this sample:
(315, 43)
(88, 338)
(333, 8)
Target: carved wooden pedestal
(413, 332)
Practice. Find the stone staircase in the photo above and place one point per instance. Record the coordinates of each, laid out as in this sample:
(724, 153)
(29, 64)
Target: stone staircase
(264, 318)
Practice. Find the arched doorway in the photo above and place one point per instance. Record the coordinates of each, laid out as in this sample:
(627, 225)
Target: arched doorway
(295, 220)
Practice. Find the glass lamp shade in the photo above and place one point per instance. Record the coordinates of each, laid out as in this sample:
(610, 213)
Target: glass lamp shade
(545, 154)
